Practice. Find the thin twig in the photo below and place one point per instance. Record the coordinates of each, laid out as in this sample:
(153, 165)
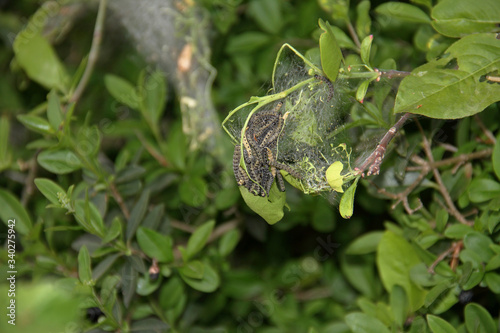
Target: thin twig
(182, 226)
(402, 197)
(93, 54)
(486, 131)
(460, 159)
(437, 176)
(455, 248)
(222, 229)
(29, 188)
(151, 150)
(315, 293)
(391, 73)
(119, 200)
(353, 34)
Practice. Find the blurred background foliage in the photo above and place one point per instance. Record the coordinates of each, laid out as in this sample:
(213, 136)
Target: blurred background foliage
(146, 228)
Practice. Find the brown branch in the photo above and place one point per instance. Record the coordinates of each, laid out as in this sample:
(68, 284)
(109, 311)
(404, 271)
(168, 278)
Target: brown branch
(152, 151)
(402, 197)
(391, 73)
(437, 176)
(93, 53)
(29, 182)
(353, 34)
(119, 200)
(182, 226)
(222, 229)
(486, 131)
(374, 161)
(425, 167)
(315, 293)
(455, 248)
(460, 159)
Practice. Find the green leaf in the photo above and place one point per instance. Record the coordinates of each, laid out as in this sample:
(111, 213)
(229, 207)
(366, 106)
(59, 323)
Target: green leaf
(399, 304)
(346, 206)
(364, 244)
(403, 11)
(113, 231)
(12, 210)
(103, 266)
(435, 91)
(395, 258)
(478, 320)
(129, 173)
(50, 190)
(154, 217)
(495, 158)
(359, 272)
(5, 151)
(339, 9)
(493, 263)
(362, 323)
(60, 162)
(54, 111)
(267, 14)
(457, 18)
(122, 90)
(247, 42)
(171, 293)
(89, 139)
(228, 242)
(361, 91)
(441, 219)
(146, 287)
(492, 280)
(35, 124)
(129, 277)
(363, 21)
(481, 190)
(84, 271)
(226, 198)
(193, 269)
(457, 231)
(177, 148)
(331, 56)
(366, 46)
(137, 214)
(269, 208)
(479, 244)
(153, 92)
(444, 300)
(89, 217)
(209, 283)
(199, 238)
(32, 50)
(193, 191)
(474, 279)
(439, 325)
(155, 245)
(344, 41)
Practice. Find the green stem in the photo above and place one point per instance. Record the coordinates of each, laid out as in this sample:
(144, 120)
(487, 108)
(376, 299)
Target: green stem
(359, 75)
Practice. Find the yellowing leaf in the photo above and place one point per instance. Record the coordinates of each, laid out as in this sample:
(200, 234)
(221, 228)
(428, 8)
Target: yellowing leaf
(333, 177)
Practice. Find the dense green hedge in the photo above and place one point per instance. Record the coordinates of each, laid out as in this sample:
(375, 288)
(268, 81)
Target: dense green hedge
(120, 216)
